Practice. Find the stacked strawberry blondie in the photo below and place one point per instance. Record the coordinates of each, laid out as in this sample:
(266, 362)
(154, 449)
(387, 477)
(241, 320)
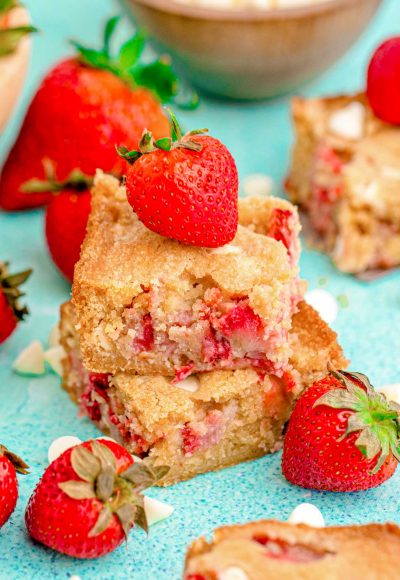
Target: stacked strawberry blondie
(191, 356)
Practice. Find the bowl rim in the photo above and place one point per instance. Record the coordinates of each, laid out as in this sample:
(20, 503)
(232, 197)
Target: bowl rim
(181, 8)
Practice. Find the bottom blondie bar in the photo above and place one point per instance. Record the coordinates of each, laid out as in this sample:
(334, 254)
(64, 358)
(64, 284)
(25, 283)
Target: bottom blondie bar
(275, 550)
(209, 421)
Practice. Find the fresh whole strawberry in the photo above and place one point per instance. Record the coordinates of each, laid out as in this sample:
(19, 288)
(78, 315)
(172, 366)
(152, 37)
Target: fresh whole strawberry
(383, 81)
(10, 465)
(66, 216)
(184, 188)
(89, 498)
(84, 106)
(11, 310)
(342, 436)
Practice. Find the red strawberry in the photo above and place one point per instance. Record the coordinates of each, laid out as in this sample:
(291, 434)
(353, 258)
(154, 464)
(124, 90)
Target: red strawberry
(85, 106)
(89, 498)
(66, 216)
(10, 464)
(342, 436)
(383, 81)
(184, 188)
(66, 220)
(11, 311)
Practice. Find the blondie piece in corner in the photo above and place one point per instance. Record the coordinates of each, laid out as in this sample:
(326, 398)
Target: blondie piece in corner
(151, 305)
(345, 175)
(208, 421)
(271, 550)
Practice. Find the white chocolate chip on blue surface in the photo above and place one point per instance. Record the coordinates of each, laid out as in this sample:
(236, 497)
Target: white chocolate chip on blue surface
(60, 445)
(324, 303)
(307, 513)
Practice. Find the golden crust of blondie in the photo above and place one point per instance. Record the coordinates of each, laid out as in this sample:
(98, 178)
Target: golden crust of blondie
(369, 552)
(121, 258)
(161, 409)
(366, 232)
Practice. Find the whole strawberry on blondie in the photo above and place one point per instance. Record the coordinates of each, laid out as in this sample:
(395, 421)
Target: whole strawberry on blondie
(281, 551)
(152, 305)
(345, 171)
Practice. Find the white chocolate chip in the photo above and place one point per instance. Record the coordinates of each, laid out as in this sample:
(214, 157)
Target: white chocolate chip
(227, 249)
(136, 459)
(190, 384)
(232, 573)
(54, 336)
(156, 510)
(391, 172)
(258, 185)
(324, 303)
(54, 357)
(307, 513)
(60, 445)
(349, 121)
(74, 577)
(391, 392)
(30, 361)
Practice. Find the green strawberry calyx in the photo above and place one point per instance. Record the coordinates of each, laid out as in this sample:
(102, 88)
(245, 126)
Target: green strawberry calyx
(376, 419)
(11, 37)
(19, 464)
(76, 180)
(120, 494)
(9, 286)
(148, 145)
(157, 76)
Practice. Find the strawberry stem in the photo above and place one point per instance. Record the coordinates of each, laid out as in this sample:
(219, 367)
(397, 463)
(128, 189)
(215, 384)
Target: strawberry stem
(148, 145)
(76, 181)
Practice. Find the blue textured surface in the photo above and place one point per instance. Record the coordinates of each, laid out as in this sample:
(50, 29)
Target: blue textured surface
(34, 411)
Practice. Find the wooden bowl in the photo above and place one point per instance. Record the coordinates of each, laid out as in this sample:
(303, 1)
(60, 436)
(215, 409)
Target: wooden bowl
(13, 68)
(252, 54)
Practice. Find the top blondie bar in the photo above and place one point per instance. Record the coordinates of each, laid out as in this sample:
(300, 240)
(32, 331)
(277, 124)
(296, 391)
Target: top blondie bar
(345, 175)
(151, 305)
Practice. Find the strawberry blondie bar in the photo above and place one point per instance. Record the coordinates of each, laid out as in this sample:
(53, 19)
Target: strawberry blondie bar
(345, 175)
(208, 421)
(280, 551)
(150, 305)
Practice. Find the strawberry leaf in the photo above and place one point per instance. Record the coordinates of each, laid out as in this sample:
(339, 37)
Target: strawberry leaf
(158, 76)
(6, 5)
(86, 465)
(338, 399)
(105, 483)
(19, 464)
(11, 37)
(131, 50)
(10, 288)
(78, 489)
(109, 29)
(102, 523)
(164, 144)
(144, 476)
(376, 419)
(126, 515)
(129, 156)
(94, 58)
(104, 454)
